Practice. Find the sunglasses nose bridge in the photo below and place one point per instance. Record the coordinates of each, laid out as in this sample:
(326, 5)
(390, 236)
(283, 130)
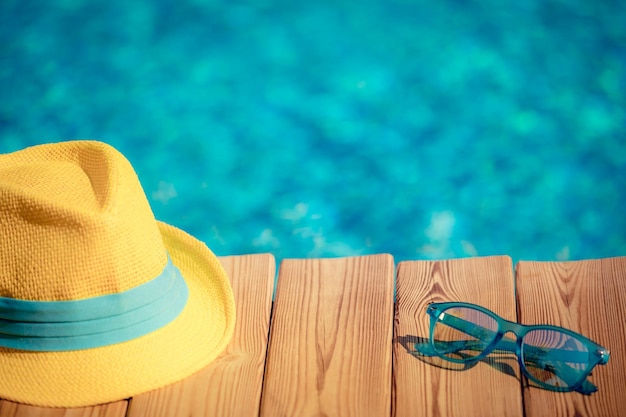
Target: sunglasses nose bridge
(512, 343)
(509, 327)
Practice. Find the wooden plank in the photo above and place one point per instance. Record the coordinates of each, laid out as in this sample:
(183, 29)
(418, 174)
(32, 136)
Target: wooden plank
(11, 409)
(429, 386)
(330, 344)
(230, 386)
(588, 297)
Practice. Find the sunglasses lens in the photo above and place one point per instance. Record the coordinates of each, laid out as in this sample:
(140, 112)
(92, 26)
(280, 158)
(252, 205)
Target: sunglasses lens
(554, 358)
(462, 333)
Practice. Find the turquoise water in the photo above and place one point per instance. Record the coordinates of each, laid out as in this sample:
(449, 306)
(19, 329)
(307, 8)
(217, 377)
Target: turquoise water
(423, 129)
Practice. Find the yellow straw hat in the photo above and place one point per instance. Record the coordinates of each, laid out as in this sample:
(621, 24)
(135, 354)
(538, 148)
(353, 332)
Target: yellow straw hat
(98, 300)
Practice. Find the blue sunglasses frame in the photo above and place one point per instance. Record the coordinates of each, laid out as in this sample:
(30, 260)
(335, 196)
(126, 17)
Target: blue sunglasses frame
(554, 359)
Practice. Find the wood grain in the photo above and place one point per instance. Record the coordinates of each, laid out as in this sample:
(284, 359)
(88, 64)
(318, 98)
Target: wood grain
(230, 386)
(330, 345)
(429, 386)
(11, 409)
(588, 297)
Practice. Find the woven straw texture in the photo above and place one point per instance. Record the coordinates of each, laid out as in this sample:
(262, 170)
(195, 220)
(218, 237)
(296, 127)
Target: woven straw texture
(75, 223)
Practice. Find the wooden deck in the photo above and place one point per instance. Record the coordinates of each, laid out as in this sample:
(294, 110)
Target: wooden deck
(334, 343)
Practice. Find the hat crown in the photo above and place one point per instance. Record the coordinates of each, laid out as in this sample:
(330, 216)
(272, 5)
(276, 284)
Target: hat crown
(74, 224)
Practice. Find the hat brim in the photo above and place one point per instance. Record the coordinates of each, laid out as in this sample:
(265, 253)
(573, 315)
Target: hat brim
(110, 373)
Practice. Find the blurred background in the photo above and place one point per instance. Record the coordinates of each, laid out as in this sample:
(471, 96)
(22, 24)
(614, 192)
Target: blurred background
(425, 129)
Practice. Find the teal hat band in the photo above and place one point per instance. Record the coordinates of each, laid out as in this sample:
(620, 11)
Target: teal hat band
(93, 322)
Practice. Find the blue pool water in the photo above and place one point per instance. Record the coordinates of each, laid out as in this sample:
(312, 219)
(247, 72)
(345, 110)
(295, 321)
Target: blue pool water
(426, 129)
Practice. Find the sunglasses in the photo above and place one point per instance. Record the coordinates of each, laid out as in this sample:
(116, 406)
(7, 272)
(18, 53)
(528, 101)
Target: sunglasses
(551, 357)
